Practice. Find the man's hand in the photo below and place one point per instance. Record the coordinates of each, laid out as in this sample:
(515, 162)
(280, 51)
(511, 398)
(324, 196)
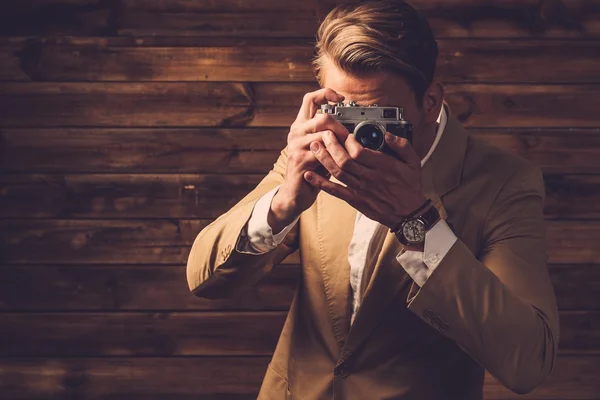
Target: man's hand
(295, 195)
(381, 187)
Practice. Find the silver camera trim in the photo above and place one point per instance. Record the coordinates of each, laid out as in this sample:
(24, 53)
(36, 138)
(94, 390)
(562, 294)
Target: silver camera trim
(371, 122)
(363, 115)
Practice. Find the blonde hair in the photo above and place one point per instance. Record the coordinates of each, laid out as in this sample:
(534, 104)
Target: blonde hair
(378, 36)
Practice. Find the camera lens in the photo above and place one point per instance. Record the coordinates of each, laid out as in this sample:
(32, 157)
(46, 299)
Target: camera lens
(370, 136)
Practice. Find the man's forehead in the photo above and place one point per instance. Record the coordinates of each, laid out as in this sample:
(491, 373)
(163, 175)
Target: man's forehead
(381, 85)
(334, 77)
(369, 90)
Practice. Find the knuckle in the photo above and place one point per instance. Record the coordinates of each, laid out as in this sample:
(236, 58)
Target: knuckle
(294, 157)
(345, 163)
(326, 135)
(308, 97)
(338, 173)
(356, 153)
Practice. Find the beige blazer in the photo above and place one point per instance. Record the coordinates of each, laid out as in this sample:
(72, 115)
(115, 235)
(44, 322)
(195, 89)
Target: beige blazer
(489, 304)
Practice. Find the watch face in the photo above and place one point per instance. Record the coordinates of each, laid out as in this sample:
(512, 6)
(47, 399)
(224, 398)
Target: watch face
(414, 231)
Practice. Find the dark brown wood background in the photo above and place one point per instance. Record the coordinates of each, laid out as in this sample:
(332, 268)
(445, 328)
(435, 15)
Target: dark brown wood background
(127, 125)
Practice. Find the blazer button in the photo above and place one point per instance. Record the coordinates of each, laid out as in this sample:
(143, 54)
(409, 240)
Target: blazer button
(341, 372)
(428, 314)
(444, 327)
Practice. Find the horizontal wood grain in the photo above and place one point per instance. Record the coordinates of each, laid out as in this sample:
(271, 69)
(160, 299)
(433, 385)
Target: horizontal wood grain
(164, 288)
(271, 104)
(27, 241)
(210, 378)
(122, 196)
(457, 18)
(194, 334)
(572, 378)
(140, 334)
(130, 196)
(166, 241)
(241, 150)
(248, 150)
(231, 378)
(458, 61)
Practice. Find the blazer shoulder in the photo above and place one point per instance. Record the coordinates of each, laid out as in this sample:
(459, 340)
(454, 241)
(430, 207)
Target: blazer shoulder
(498, 164)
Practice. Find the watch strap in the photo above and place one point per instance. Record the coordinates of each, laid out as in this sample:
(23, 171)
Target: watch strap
(430, 217)
(419, 210)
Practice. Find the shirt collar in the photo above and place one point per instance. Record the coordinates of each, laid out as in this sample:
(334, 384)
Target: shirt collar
(442, 119)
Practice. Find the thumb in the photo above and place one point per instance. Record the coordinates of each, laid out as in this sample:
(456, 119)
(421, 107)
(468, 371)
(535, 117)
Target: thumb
(403, 149)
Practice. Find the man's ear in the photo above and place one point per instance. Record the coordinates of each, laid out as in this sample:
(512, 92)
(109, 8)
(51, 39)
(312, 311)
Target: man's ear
(433, 101)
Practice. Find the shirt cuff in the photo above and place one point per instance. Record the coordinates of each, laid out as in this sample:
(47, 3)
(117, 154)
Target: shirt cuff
(420, 265)
(258, 237)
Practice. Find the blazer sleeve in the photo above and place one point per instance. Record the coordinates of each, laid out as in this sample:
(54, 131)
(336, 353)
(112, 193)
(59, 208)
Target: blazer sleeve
(500, 306)
(215, 268)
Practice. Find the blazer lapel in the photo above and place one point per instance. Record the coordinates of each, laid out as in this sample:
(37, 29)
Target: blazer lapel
(440, 175)
(335, 226)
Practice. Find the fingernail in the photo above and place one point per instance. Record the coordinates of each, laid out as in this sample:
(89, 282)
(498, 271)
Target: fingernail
(314, 147)
(309, 176)
(391, 137)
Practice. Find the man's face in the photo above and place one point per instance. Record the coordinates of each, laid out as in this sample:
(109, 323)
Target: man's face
(383, 89)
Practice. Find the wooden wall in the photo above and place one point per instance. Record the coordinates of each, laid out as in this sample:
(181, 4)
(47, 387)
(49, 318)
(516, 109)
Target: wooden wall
(127, 125)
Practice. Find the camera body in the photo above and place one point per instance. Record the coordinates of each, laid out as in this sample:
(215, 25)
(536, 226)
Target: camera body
(369, 124)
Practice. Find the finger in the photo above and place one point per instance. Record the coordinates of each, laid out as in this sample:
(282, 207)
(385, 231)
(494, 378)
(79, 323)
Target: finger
(328, 162)
(341, 157)
(323, 122)
(312, 102)
(332, 188)
(366, 157)
(403, 149)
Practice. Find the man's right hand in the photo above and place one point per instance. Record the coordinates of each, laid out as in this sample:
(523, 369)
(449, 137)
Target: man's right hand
(295, 195)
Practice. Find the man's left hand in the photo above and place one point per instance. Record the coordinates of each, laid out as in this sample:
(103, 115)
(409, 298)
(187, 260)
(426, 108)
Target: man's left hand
(381, 187)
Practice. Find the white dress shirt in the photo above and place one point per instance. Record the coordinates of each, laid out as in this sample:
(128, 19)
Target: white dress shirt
(366, 242)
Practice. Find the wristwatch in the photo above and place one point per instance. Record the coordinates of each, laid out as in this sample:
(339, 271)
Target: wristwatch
(412, 229)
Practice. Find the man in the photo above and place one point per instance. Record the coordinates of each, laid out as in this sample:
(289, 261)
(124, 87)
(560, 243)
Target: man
(391, 306)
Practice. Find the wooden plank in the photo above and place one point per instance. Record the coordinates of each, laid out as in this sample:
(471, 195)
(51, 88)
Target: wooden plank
(572, 196)
(575, 286)
(194, 334)
(154, 104)
(247, 150)
(241, 150)
(297, 18)
(572, 378)
(554, 150)
(231, 378)
(459, 61)
(202, 196)
(166, 241)
(56, 17)
(140, 334)
(209, 378)
(271, 104)
(164, 287)
(59, 241)
(122, 196)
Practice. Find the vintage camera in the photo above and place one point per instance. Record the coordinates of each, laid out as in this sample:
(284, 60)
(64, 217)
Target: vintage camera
(369, 124)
